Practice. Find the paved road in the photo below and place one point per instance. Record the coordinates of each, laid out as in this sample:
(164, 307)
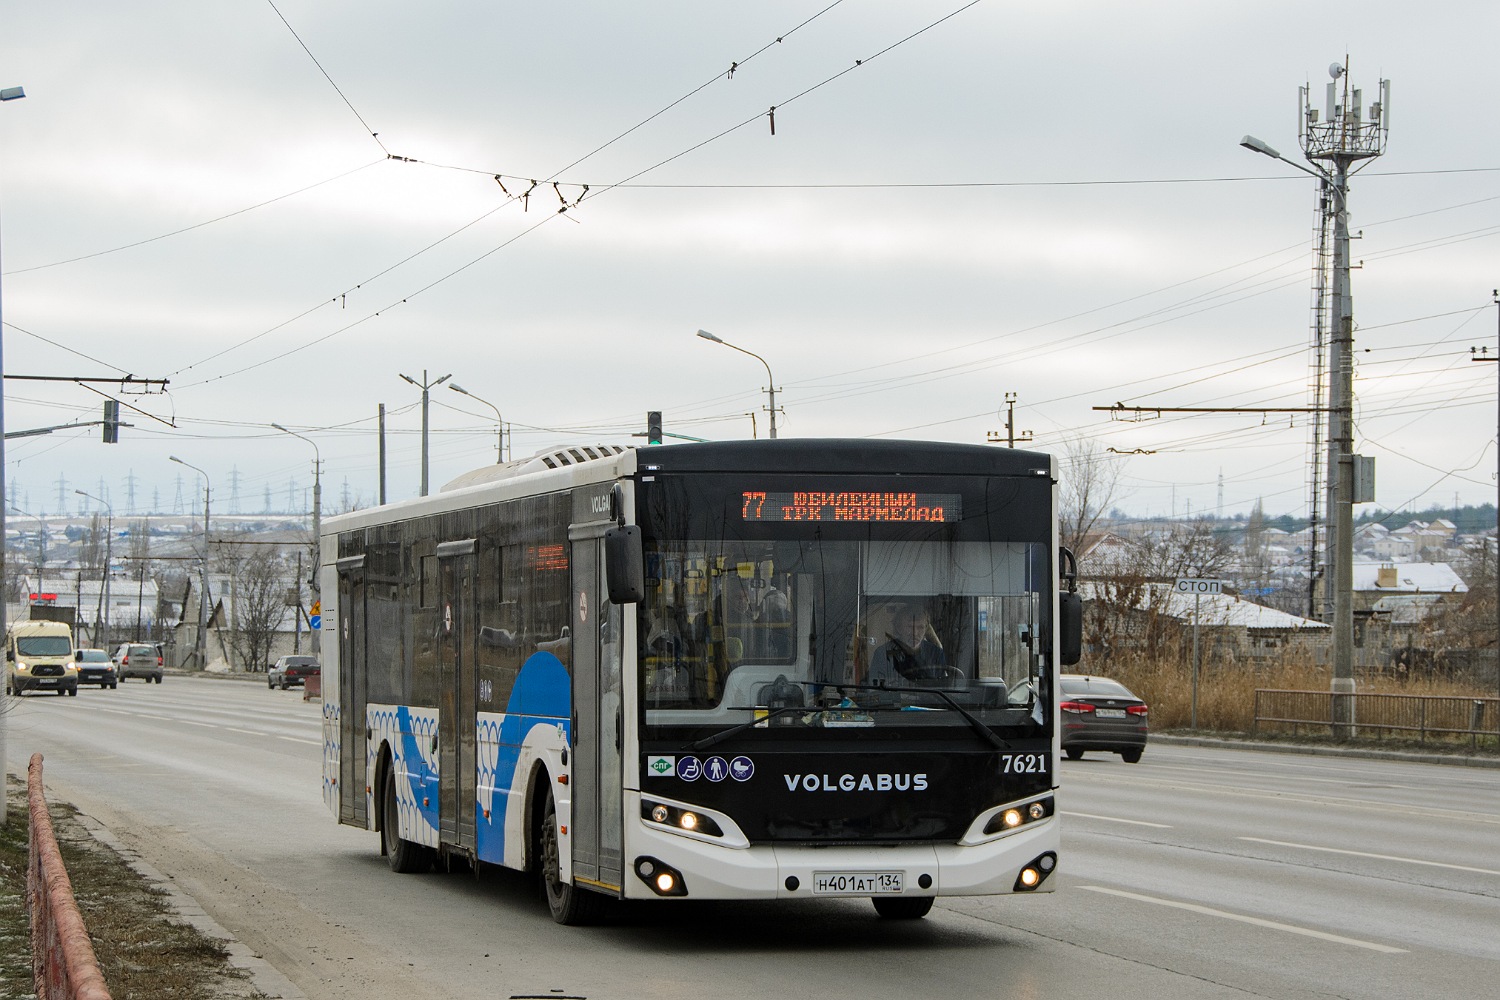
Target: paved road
(1196, 873)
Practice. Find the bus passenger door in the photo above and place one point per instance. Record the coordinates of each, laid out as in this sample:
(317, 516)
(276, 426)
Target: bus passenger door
(456, 683)
(596, 765)
(352, 667)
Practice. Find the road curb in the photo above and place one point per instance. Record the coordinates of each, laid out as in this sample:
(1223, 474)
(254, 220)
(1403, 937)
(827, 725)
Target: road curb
(263, 975)
(1367, 753)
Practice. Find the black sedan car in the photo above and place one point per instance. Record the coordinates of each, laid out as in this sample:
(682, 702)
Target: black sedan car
(292, 670)
(96, 667)
(1101, 714)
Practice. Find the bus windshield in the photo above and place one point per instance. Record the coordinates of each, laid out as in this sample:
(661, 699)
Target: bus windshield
(842, 634)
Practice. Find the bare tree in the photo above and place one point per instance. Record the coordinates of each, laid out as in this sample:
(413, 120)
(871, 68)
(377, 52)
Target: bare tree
(258, 581)
(1088, 480)
(1185, 548)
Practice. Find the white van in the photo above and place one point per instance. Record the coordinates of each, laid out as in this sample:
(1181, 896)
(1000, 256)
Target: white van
(39, 657)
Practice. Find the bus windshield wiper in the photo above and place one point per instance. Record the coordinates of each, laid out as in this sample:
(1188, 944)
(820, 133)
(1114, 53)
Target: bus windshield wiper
(974, 723)
(723, 735)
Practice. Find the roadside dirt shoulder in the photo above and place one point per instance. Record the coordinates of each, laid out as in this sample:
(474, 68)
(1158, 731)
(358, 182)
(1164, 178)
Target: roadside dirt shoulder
(319, 959)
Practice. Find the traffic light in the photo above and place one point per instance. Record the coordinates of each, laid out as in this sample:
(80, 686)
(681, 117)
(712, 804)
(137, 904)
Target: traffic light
(111, 421)
(653, 427)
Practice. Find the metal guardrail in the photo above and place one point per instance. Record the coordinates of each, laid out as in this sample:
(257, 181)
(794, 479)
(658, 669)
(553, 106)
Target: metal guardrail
(63, 964)
(1429, 717)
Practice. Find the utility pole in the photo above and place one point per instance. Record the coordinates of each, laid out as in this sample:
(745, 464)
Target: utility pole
(1483, 355)
(1010, 425)
(1334, 144)
(426, 388)
(382, 455)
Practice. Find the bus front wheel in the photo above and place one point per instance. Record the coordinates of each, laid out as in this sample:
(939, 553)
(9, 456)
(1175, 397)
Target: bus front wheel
(403, 856)
(569, 904)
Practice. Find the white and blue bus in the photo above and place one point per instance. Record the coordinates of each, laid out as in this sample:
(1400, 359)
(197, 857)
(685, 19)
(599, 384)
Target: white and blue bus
(742, 670)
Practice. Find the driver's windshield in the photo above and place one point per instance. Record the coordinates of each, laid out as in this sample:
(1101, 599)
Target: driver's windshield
(843, 633)
(44, 645)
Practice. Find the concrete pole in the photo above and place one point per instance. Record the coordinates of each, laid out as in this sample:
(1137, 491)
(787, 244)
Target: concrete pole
(425, 394)
(1342, 438)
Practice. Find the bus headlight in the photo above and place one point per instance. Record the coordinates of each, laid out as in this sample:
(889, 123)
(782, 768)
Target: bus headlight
(1015, 817)
(678, 819)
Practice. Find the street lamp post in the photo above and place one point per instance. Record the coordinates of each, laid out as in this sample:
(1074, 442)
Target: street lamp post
(200, 646)
(317, 526)
(770, 380)
(1342, 139)
(425, 386)
(499, 421)
(101, 621)
(8, 94)
(41, 545)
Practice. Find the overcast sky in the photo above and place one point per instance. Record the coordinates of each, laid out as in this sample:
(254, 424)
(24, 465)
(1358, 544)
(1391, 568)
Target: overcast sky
(1048, 200)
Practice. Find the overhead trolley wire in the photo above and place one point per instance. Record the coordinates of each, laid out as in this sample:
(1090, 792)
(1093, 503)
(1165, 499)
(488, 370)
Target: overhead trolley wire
(373, 134)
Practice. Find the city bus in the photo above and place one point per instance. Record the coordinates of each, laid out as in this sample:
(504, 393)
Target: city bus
(737, 670)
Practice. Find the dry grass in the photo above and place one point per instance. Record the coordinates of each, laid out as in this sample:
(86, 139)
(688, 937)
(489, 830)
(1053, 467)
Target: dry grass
(142, 947)
(1226, 692)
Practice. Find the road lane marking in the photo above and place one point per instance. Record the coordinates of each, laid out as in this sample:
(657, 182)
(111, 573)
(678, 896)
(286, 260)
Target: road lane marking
(1116, 819)
(1289, 795)
(1355, 778)
(205, 725)
(1366, 854)
(1256, 921)
(247, 732)
(293, 739)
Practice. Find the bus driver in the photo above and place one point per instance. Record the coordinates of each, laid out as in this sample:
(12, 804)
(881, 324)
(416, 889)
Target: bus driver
(909, 653)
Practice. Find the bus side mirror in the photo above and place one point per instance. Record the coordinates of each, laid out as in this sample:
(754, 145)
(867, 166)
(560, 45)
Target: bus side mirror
(1070, 631)
(624, 564)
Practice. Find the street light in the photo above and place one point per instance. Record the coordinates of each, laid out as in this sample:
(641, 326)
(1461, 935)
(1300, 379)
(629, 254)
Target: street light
(1341, 139)
(317, 523)
(102, 623)
(770, 388)
(500, 451)
(41, 545)
(425, 386)
(8, 94)
(201, 644)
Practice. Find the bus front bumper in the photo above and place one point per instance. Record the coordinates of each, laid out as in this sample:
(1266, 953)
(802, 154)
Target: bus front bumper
(705, 870)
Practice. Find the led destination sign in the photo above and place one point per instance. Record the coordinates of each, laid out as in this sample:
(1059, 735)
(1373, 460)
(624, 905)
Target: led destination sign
(851, 505)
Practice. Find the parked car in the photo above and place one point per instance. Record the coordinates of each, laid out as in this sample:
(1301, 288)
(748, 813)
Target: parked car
(138, 659)
(1101, 714)
(96, 667)
(293, 670)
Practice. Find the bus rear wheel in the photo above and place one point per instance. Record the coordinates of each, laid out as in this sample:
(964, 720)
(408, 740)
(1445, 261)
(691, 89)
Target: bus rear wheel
(403, 856)
(569, 904)
(902, 907)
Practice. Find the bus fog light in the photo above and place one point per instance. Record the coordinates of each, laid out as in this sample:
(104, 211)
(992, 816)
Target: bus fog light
(688, 821)
(1036, 810)
(1035, 872)
(660, 814)
(662, 878)
(1011, 818)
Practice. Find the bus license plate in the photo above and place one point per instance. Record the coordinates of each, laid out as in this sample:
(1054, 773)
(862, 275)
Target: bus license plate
(1111, 713)
(856, 883)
